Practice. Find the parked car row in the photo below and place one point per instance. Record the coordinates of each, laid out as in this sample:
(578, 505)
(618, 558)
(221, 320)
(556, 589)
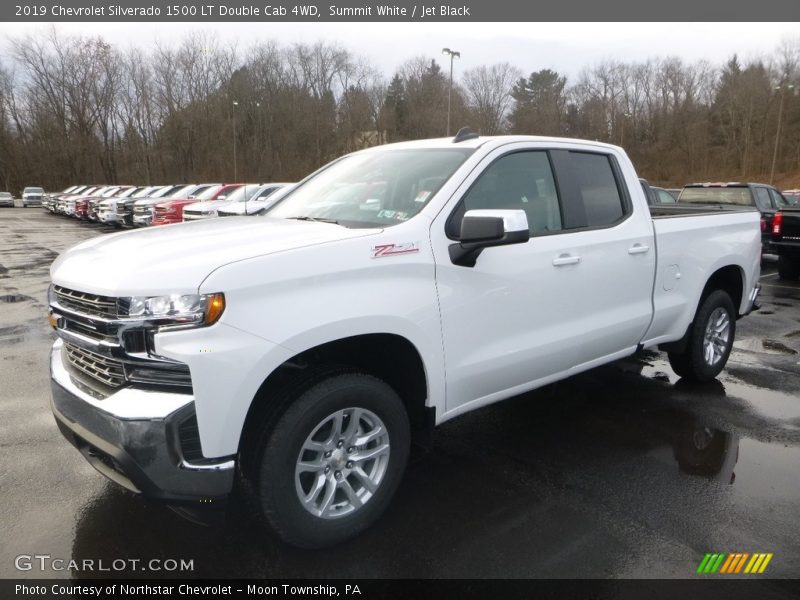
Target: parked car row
(142, 206)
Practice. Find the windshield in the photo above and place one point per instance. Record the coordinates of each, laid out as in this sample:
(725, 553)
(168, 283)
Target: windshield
(782, 201)
(244, 193)
(209, 193)
(373, 189)
(717, 195)
(143, 193)
(267, 190)
(111, 191)
(128, 192)
(33, 190)
(182, 192)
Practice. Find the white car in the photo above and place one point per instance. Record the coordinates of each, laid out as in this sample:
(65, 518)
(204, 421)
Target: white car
(261, 199)
(6, 199)
(302, 349)
(207, 209)
(32, 196)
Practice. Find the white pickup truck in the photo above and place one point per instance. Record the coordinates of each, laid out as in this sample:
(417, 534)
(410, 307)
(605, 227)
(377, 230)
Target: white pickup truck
(393, 289)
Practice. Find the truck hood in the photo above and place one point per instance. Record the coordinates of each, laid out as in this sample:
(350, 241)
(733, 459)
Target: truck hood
(207, 206)
(177, 258)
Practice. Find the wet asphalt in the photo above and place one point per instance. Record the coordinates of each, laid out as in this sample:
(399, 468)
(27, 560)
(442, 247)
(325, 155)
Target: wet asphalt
(623, 471)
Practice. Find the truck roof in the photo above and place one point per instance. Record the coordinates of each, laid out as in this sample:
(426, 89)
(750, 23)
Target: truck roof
(479, 141)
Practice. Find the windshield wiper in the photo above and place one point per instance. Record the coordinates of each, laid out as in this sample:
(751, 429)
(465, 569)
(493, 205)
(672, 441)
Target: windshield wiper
(315, 219)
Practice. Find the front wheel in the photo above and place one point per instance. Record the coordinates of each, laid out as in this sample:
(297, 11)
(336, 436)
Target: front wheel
(710, 340)
(332, 462)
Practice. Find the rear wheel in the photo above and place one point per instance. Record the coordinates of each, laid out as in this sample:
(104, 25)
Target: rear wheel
(330, 465)
(788, 268)
(710, 340)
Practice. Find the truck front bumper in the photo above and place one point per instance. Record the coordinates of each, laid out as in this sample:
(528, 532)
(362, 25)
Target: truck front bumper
(141, 453)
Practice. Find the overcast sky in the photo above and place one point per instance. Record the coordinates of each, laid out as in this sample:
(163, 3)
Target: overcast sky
(565, 47)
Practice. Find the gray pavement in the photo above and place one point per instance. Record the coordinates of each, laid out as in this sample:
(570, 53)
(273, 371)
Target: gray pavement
(623, 471)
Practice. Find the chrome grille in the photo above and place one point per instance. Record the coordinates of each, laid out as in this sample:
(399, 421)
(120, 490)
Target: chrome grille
(92, 304)
(102, 368)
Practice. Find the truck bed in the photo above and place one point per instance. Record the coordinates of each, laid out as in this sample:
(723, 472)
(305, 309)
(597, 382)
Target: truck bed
(663, 211)
(693, 241)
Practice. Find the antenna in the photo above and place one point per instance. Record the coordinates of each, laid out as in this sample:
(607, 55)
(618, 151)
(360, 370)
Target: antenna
(465, 133)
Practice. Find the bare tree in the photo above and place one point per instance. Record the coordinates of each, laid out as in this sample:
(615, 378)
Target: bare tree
(487, 90)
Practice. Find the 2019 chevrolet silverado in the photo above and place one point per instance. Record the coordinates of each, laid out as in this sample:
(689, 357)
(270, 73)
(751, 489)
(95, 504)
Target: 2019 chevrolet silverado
(390, 291)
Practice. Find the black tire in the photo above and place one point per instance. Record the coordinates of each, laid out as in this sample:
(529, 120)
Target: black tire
(788, 268)
(691, 363)
(278, 451)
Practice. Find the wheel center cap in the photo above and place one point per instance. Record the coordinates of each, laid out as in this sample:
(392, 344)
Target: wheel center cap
(338, 459)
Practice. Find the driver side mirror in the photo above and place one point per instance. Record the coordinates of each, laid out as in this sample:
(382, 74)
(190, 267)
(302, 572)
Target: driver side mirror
(486, 228)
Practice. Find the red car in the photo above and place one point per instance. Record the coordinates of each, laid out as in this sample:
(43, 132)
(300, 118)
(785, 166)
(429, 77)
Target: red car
(172, 210)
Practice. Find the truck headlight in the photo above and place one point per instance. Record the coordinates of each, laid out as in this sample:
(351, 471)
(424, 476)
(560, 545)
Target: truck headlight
(197, 310)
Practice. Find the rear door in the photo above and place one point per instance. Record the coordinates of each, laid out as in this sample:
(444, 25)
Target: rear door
(578, 290)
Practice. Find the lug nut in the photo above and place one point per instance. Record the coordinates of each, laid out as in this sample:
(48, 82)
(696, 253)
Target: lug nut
(328, 454)
(340, 444)
(349, 464)
(338, 474)
(351, 449)
(327, 470)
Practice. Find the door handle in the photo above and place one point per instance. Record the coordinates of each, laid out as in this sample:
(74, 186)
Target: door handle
(638, 249)
(566, 259)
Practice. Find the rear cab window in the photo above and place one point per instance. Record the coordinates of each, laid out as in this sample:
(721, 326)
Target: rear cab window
(599, 189)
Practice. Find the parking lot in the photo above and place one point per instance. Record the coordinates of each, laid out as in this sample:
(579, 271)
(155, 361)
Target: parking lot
(623, 471)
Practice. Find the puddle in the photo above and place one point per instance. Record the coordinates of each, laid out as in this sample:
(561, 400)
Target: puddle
(17, 334)
(767, 471)
(768, 402)
(14, 298)
(735, 384)
(778, 347)
(765, 346)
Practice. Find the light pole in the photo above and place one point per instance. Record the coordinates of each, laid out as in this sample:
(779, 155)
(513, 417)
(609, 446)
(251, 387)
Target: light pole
(453, 54)
(233, 111)
(782, 88)
(622, 129)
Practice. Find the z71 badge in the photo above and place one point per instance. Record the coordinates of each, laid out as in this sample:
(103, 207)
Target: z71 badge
(382, 250)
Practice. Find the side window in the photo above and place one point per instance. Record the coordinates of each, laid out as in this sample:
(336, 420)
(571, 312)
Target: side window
(598, 188)
(762, 199)
(665, 197)
(778, 201)
(519, 181)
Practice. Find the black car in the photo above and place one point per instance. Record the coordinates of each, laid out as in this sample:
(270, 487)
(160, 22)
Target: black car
(766, 198)
(785, 233)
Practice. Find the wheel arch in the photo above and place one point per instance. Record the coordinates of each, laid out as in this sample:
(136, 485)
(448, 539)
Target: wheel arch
(730, 279)
(388, 356)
